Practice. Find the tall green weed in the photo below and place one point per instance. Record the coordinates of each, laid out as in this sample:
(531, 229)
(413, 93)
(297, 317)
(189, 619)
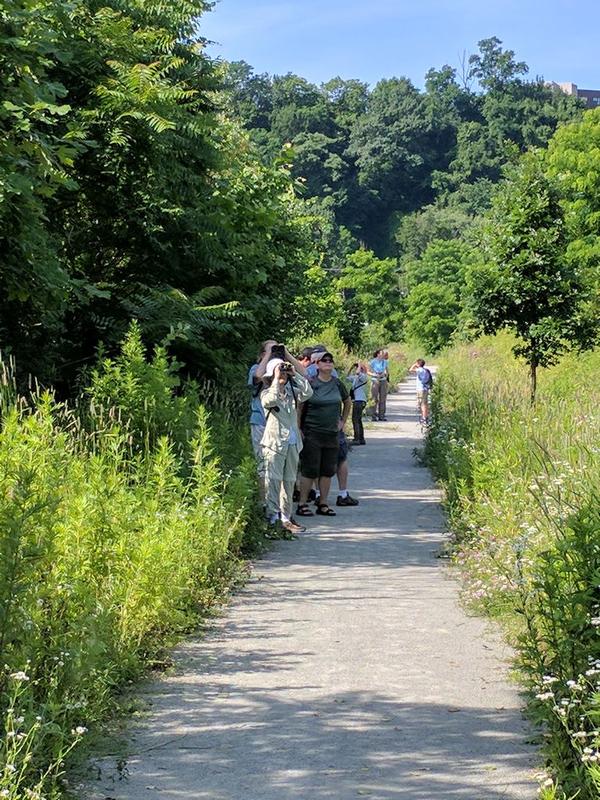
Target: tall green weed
(522, 487)
(119, 527)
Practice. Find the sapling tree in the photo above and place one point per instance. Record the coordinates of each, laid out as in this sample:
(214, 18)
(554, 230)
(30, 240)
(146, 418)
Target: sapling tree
(526, 284)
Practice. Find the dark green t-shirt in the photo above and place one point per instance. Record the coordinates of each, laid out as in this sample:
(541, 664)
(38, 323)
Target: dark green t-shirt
(324, 409)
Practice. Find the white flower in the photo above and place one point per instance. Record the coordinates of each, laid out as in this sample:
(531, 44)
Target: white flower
(549, 679)
(545, 695)
(580, 735)
(571, 684)
(20, 676)
(4, 793)
(10, 768)
(595, 621)
(79, 730)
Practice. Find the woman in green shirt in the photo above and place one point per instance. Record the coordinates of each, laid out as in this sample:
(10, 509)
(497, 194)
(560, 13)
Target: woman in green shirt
(323, 416)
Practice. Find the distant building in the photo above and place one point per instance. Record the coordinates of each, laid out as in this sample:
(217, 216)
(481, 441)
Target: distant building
(591, 97)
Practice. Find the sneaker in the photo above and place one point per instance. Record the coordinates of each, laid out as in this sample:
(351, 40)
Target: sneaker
(346, 501)
(293, 527)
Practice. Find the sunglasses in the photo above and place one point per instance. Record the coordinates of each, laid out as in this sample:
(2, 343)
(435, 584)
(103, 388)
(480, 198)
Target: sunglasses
(326, 361)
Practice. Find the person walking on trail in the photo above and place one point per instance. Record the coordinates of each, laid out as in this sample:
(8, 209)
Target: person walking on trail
(424, 384)
(379, 374)
(359, 381)
(324, 416)
(282, 442)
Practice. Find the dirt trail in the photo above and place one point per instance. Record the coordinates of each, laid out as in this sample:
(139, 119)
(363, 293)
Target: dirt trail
(345, 668)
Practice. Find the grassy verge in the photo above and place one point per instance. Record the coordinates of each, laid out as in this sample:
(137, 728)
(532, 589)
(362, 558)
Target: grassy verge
(122, 521)
(522, 488)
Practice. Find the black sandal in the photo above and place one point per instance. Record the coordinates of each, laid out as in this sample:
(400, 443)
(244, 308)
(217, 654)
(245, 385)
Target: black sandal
(303, 510)
(324, 510)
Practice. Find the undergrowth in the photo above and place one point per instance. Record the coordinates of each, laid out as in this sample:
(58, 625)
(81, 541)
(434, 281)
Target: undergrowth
(522, 489)
(123, 519)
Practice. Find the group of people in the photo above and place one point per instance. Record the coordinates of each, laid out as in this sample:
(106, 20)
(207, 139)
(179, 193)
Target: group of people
(299, 410)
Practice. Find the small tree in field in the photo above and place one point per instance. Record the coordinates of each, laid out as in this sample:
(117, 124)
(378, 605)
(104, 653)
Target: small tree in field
(526, 283)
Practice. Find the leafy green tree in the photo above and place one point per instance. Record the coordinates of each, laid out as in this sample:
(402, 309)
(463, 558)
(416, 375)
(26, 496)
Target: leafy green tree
(373, 285)
(526, 283)
(416, 231)
(432, 313)
(573, 162)
(444, 262)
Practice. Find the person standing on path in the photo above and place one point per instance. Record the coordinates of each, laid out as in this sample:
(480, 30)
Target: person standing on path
(379, 374)
(359, 380)
(324, 415)
(257, 419)
(424, 384)
(282, 442)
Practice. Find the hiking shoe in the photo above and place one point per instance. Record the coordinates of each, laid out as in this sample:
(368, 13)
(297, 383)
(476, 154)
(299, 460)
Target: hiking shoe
(346, 501)
(293, 527)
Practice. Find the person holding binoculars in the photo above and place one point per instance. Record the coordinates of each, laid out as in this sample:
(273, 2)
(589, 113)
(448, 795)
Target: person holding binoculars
(281, 443)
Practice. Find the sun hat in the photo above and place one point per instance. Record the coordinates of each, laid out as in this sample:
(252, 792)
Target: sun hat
(272, 363)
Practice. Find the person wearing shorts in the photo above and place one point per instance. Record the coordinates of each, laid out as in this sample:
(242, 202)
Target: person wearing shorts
(323, 417)
(423, 386)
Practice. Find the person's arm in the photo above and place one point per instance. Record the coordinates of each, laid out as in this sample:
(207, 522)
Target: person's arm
(346, 409)
(297, 365)
(262, 364)
(305, 390)
(414, 367)
(370, 371)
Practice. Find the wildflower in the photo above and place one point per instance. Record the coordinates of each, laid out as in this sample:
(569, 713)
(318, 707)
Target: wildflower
(4, 793)
(10, 768)
(595, 621)
(19, 676)
(571, 684)
(549, 679)
(545, 695)
(80, 730)
(580, 735)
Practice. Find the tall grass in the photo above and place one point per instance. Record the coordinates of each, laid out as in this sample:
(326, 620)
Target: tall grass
(523, 488)
(119, 527)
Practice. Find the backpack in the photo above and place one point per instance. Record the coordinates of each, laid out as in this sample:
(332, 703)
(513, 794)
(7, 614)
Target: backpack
(427, 380)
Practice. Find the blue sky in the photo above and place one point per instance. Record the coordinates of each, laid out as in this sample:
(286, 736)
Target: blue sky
(372, 39)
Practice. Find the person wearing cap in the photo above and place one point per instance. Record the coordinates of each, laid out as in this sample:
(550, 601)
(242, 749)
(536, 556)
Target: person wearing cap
(281, 442)
(312, 371)
(324, 416)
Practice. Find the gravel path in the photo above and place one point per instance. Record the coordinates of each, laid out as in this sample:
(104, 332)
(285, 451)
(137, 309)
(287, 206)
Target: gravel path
(345, 668)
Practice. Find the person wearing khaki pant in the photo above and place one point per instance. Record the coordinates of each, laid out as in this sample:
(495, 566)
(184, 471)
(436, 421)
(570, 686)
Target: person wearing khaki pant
(379, 391)
(282, 442)
(378, 372)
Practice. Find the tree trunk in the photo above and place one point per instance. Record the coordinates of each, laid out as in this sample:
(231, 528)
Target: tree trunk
(533, 381)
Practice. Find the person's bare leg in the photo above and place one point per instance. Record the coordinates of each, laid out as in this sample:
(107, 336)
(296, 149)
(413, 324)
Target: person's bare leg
(324, 487)
(342, 476)
(305, 487)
